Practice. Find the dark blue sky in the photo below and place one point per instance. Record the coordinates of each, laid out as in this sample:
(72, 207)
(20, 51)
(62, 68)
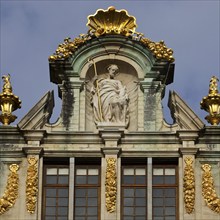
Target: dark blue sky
(32, 30)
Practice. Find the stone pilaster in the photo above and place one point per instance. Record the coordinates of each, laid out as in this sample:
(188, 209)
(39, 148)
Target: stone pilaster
(110, 199)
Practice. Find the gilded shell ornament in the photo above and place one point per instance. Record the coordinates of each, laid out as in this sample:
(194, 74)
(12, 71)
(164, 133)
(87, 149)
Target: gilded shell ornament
(111, 21)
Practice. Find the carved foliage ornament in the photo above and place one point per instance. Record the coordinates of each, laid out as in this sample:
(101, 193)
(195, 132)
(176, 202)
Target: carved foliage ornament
(208, 190)
(111, 185)
(11, 192)
(32, 184)
(111, 22)
(189, 185)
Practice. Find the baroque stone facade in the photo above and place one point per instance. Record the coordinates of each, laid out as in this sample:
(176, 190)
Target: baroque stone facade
(110, 155)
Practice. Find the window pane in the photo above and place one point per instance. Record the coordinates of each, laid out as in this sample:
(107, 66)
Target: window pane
(140, 192)
(81, 171)
(170, 201)
(140, 201)
(140, 211)
(50, 201)
(170, 179)
(92, 218)
(157, 192)
(80, 179)
(80, 193)
(157, 171)
(140, 180)
(51, 179)
(128, 201)
(170, 192)
(62, 201)
(92, 211)
(50, 192)
(157, 180)
(80, 211)
(128, 179)
(170, 211)
(92, 192)
(128, 171)
(158, 211)
(139, 218)
(80, 202)
(51, 171)
(93, 179)
(63, 171)
(50, 218)
(93, 172)
(140, 171)
(63, 192)
(50, 210)
(128, 217)
(170, 171)
(62, 210)
(157, 201)
(128, 210)
(62, 218)
(63, 180)
(128, 192)
(92, 201)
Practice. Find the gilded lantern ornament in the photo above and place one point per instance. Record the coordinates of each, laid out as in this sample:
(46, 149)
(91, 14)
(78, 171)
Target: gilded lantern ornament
(211, 102)
(8, 102)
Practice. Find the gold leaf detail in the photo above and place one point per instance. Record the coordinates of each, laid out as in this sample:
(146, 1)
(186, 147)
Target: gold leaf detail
(208, 190)
(11, 193)
(32, 184)
(189, 185)
(111, 185)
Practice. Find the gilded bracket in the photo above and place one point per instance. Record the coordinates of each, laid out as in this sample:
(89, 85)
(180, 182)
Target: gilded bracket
(208, 190)
(111, 185)
(32, 184)
(189, 185)
(11, 192)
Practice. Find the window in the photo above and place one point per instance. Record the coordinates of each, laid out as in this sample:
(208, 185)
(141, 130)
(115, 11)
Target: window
(134, 193)
(56, 192)
(87, 192)
(165, 192)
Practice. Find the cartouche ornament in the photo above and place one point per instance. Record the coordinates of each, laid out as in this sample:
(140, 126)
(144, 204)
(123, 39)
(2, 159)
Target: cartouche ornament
(8, 102)
(211, 102)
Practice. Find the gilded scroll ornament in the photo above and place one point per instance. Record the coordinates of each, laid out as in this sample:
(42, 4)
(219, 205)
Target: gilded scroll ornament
(32, 184)
(208, 190)
(189, 185)
(112, 22)
(11, 192)
(111, 185)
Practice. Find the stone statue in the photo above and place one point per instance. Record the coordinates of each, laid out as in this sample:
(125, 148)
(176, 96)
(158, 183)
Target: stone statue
(110, 99)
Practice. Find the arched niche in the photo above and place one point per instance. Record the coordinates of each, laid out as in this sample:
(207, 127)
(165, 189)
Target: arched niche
(128, 75)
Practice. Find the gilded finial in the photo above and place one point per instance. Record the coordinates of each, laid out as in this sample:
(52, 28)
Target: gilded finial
(211, 102)
(8, 102)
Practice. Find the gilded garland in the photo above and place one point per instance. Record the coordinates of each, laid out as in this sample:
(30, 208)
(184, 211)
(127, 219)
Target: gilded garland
(111, 185)
(11, 192)
(32, 184)
(111, 22)
(189, 185)
(208, 190)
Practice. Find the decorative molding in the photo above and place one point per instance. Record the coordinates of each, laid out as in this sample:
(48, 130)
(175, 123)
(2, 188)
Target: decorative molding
(111, 185)
(189, 185)
(11, 193)
(32, 184)
(208, 190)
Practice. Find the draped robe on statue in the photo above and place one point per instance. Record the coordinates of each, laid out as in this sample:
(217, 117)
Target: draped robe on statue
(110, 101)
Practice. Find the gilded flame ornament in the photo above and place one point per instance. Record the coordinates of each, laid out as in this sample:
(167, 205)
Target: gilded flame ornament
(211, 102)
(111, 22)
(11, 192)
(208, 190)
(32, 184)
(8, 102)
(189, 185)
(111, 185)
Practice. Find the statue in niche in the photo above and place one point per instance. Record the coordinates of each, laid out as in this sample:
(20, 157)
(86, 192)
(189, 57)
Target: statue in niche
(110, 99)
